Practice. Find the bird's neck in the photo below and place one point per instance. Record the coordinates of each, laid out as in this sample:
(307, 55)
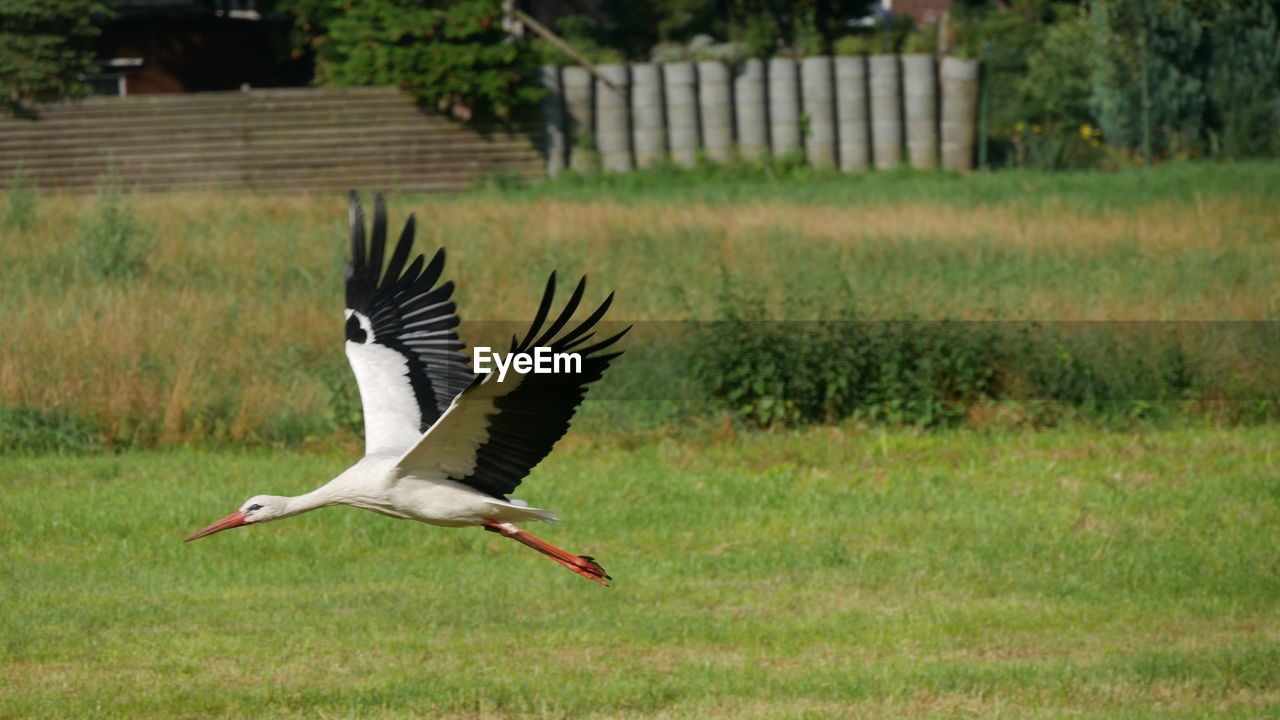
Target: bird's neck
(320, 497)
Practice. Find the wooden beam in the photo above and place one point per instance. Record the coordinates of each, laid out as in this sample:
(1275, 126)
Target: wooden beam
(559, 44)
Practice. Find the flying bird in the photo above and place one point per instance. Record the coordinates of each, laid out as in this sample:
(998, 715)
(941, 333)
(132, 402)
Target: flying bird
(444, 445)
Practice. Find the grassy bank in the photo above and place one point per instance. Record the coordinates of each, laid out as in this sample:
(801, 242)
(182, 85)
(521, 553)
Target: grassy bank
(209, 318)
(832, 573)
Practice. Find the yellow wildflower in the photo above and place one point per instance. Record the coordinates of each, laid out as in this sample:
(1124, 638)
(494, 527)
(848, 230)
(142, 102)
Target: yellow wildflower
(1019, 127)
(1085, 131)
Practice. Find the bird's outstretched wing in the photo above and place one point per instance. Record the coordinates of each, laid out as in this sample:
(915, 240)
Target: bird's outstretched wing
(495, 432)
(401, 336)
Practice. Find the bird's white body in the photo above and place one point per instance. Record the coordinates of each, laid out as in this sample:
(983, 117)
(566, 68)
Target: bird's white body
(376, 483)
(442, 447)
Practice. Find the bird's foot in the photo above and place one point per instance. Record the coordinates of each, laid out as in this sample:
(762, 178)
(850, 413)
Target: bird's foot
(588, 568)
(584, 565)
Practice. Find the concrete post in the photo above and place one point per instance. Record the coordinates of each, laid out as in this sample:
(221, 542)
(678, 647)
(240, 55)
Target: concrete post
(715, 103)
(682, 111)
(613, 119)
(819, 108)
(553, 143)
(749, 110)
(648, 120)
(852, 127)
(580, 117)
(920, 95)
(959, 112)
(784, 106)
(886, 111)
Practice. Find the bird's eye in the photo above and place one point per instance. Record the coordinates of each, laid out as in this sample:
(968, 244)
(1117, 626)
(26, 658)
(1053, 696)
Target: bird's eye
(253, 507)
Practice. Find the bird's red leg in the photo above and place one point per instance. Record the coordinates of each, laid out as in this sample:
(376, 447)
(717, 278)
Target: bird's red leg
(584, 565)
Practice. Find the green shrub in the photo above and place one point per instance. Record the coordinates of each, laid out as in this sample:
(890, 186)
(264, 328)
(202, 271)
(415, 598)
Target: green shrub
(1056, 86)
(25, 428)
(455, 57)
(21, 202)
(1009, 39)
(935, 374)
(900, 372)
(112, 242)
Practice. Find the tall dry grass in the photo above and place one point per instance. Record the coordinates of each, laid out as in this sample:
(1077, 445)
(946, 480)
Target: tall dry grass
(230, 328)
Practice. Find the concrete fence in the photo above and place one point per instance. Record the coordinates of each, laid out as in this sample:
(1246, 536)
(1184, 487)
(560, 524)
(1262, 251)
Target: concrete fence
(847, 112)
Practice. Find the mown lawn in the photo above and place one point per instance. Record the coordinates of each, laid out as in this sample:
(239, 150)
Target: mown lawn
(835, 572)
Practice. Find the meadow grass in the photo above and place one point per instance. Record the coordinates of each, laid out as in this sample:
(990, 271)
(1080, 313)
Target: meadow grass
(713, 183)
(836, 572)
(215, 318)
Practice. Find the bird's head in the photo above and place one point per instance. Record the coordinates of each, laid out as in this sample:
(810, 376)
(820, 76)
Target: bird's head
(257, 509)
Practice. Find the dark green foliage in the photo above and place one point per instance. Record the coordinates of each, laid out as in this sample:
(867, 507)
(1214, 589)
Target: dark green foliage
(905, 372)
(45, 45)
(1057, 132)
(1244, 80)
(31, 429)
(764, 27)
(455, 57)
(1160, 78)
(1056, 87)
(908, 372)
(937, 374)
(1149, 68)
(1035, 58)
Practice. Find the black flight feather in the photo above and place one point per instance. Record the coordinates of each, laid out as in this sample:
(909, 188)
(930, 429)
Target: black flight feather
(405, 310)
(535, 414)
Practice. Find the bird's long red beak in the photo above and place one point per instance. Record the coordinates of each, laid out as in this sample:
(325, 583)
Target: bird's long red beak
(235, 519)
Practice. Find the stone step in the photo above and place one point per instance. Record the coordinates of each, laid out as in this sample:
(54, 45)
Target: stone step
(295, 139)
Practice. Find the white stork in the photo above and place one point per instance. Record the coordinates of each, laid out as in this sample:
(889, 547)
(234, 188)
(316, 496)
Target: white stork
(443, 446)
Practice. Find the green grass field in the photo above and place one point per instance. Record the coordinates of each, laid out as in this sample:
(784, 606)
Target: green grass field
(167, 356)
(839, 572)
(214, 317)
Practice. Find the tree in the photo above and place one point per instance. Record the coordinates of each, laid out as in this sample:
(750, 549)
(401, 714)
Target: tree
(1056, 88)
(1244, 80)
(1150, 63)
(45, 46)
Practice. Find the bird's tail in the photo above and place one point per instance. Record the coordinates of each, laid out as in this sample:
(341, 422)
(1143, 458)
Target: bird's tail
(517, 510)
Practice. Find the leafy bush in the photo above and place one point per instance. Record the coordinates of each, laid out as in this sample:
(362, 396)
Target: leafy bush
(1022, 70)
(21, 202)
(453, 56)
(1056, 87)
(913, 373)
(30, 429)
(112, 243)
(940, 373)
